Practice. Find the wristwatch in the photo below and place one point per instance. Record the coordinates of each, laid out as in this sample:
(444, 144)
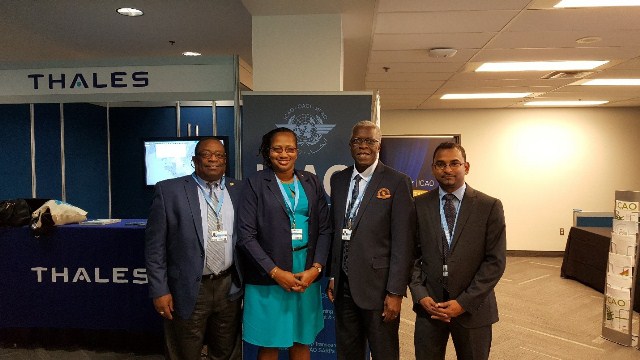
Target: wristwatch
(317, 267)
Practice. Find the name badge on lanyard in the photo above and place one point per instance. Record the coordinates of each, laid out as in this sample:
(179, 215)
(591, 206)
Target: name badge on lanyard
(296, 234)
(346, 232)
(220, 235)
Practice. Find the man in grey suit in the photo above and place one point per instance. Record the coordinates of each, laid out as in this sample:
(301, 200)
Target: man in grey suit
(189, 249)
(372, 253)
(462, 246)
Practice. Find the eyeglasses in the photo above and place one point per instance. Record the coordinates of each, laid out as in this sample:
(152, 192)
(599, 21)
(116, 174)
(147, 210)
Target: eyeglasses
(359, 141)
(288, 150)
(208, 154)
(441, 165)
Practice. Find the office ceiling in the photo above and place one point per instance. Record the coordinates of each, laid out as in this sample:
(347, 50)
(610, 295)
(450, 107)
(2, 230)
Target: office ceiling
(386, 42)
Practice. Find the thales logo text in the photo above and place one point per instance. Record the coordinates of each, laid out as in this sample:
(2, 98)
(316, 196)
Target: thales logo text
(88, 275)
(116, 79)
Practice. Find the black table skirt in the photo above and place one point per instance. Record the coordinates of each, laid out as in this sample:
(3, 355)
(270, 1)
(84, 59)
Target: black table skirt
(585, 259)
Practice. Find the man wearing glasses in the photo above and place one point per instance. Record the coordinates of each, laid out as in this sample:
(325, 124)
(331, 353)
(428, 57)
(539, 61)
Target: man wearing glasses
(189, 250)
(462, 246)
(372, 253)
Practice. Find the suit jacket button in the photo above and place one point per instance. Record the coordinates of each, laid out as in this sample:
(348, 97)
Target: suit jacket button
(199, 278)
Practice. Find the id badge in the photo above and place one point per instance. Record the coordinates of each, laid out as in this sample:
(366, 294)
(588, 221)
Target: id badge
(296, 234)
(346, 234)
(220, 236)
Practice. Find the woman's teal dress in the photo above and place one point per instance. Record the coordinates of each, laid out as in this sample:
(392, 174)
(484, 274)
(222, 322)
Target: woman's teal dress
(274, 317)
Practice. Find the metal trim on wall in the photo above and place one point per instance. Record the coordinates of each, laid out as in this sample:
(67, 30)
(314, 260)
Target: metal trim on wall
(236, 117)
(178, 118)
(214, 118)
(32, 119)
(62, 155)
(109, 159)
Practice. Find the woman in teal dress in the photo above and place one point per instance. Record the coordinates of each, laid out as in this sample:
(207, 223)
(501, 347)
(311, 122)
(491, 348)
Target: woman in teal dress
(284, 238)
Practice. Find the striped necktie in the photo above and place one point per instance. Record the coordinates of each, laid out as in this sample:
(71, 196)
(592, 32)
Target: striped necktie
(215, 249)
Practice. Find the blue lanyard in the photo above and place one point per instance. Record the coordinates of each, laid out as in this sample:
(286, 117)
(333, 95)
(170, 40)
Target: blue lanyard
(443, 220)
(216, 210)
(356, 205)
(291, 209)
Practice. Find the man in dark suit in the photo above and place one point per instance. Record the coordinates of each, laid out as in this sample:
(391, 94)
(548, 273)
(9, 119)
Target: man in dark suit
(189, 249)
(374, 227)
(462, 246)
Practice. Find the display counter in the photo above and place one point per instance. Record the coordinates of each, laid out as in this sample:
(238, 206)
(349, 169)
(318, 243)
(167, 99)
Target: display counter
(79, 277)
(585, 258)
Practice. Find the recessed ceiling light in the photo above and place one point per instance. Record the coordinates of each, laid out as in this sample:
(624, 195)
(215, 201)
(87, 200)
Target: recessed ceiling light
(540, 65)
(129, 12)
(595, 3)
(613, 82)
(566, 103)
(191, 53)
(485, 96)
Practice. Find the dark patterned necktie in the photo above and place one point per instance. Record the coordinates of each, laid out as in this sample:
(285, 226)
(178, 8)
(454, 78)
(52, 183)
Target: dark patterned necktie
(348, 221)
(450, 217)
(449, 212)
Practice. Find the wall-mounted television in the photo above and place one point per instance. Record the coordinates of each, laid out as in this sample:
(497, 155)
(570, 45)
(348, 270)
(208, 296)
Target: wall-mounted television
(170, 157)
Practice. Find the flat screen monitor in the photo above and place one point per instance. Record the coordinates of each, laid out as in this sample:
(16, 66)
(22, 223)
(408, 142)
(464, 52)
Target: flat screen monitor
(170, 157)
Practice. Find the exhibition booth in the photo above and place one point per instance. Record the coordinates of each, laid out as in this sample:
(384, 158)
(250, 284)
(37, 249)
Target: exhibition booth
(77, 133)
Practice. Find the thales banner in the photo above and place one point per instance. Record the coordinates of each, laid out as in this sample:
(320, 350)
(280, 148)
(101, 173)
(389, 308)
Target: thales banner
(323, 123)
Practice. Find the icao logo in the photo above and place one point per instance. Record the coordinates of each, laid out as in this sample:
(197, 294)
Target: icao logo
(307, 122)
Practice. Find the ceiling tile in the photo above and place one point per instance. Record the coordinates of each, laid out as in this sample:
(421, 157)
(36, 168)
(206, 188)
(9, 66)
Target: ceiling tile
(422, 5)
(442, 22)
(462, 56)
(593, 20)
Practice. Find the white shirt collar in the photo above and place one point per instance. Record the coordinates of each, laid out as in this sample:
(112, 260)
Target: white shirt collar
(367, 173)
(459, 194)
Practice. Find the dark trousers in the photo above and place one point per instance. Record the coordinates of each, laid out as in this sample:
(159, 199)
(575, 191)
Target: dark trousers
(431, 337)
(356, 326)
(215, 322)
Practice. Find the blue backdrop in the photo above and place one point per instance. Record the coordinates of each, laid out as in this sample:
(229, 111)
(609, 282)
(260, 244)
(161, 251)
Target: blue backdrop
(86, 152)
(323, 125)
(413, 156)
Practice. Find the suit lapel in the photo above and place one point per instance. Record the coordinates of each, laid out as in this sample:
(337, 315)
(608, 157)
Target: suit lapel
(308, 190)
(339, 195)
(272, 185)
(231, 186)
(191, 192)
(466, 208)
(433, 209)
(372, 188)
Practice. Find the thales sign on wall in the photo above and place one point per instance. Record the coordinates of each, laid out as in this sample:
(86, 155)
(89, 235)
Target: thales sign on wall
(115, 79)
(204, 78)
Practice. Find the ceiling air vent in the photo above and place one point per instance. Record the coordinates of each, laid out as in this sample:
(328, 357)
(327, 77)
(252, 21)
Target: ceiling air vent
(567, 74)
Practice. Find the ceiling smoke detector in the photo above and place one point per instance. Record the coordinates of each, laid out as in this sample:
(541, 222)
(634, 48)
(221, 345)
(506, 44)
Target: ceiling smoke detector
(442, 52)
